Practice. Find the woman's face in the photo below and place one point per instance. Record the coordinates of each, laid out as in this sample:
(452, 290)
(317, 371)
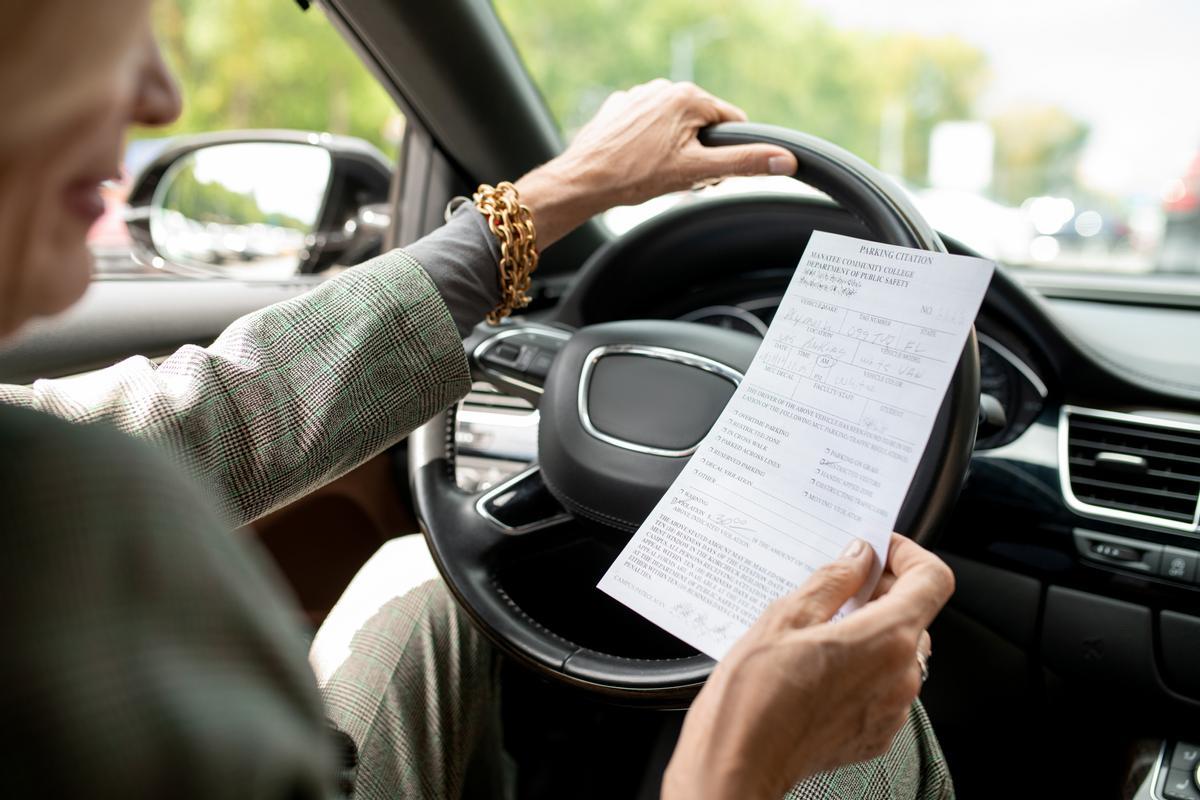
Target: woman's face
(50, 183)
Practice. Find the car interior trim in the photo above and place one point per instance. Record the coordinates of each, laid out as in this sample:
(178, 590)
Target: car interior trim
(1089, 510)
(763, 302)
(482, 506)
(1156, 774)
(737, 312)
(1020, 366)
(1123, 459)
(646, 351)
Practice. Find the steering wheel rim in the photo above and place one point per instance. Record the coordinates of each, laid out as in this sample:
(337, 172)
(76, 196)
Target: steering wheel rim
(472, 550)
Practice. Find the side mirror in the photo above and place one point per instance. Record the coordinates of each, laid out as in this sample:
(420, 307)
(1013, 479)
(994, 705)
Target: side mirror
(258, 205)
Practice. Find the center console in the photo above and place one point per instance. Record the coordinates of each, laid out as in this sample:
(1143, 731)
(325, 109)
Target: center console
(1176, 773)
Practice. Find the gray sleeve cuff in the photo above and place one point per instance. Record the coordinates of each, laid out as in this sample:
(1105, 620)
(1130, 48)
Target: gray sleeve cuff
(461, 258)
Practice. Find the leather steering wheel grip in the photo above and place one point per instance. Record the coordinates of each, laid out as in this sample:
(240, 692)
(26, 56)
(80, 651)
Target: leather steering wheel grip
(468, 552)
(852, 183)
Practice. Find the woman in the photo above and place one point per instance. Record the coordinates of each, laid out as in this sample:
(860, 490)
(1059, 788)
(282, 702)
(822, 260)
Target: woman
(150, 655)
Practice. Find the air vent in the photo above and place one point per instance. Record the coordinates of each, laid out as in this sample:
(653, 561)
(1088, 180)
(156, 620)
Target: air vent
(1131, 467)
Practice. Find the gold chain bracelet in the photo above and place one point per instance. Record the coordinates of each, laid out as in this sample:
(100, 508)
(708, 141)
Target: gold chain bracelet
(512, 224)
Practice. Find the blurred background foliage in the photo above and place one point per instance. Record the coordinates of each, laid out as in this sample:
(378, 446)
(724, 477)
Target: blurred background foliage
(263, 63)
(877, 94)
(1037, 148)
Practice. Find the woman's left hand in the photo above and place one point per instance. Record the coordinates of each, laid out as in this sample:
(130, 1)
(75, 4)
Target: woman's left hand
(641, 143)
(798, 695)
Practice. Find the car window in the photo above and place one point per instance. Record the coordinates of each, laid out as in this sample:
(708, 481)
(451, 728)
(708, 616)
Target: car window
(1053, 136)
(247, 64)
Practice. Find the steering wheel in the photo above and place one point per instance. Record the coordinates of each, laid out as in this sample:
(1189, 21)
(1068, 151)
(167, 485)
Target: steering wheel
(622, 405)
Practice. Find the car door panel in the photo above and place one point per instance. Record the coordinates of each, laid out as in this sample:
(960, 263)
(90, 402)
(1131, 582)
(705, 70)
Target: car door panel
(120, 318)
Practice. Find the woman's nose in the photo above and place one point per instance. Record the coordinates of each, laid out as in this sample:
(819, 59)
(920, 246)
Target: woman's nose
(158, 101)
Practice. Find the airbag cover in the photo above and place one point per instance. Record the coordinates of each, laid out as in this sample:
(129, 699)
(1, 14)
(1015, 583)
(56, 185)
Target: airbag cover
(604, 454)
(648, 401)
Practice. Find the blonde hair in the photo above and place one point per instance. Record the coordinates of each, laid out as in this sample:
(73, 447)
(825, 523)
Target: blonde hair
(58, 55)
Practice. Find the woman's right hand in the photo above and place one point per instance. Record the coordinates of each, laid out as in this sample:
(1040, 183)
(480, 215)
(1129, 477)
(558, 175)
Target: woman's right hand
(642, 143)
(798, 694)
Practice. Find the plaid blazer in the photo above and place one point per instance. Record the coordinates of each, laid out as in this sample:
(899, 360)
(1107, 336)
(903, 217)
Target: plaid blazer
(289, 397)
(148, 652)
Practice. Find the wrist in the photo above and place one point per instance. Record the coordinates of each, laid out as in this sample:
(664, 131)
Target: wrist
(724, 752)
(562, 194)
(716, 778)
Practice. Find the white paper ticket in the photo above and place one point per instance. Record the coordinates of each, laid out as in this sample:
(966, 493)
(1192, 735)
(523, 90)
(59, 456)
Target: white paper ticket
(817, 446)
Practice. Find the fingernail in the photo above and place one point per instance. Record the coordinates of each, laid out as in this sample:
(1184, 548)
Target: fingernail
(854, 549)
(781, 165)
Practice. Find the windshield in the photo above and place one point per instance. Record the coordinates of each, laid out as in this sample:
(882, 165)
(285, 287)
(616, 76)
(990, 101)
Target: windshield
(1050, 135)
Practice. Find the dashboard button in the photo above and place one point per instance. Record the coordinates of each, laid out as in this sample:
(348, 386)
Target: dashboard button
(1180, 786)
(1118, 551)
(1178, 565)
(540, 365)
(1186, 757)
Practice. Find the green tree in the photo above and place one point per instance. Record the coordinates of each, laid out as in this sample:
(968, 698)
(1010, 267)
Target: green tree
(931, 80)
(266, 64)
(780, 60)
(1037, 151)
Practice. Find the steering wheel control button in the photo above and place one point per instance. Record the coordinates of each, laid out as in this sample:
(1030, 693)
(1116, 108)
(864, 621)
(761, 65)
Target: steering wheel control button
(505, 354)
(1178, 565)
(1180, 785)
(516, 358)
(1186, 757)
(1118, 551)
(540, 366)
